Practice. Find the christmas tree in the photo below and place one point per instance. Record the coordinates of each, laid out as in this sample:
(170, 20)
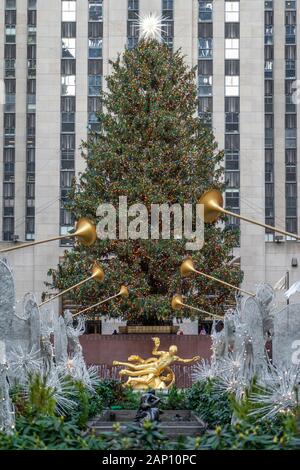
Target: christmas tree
(153, 149)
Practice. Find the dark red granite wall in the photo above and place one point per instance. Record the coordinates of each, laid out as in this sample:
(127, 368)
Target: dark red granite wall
(102, 350)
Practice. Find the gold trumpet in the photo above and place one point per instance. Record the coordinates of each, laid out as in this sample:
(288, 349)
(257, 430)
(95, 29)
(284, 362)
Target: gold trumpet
(212, 201)
(124, 292)
(97, 275)
(85, 232)
(187, 267)
(177, 304)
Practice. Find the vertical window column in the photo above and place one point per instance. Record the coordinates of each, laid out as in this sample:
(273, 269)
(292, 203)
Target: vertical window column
(10, 19)
(132, 23)
(290, 117)
(95, 63)
(232, 109)
(205, 61)
(68, 109)
(168, 23)
(31, 119)
(269, 119)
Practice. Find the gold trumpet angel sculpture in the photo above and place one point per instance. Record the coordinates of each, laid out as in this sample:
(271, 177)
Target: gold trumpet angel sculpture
(155, 372)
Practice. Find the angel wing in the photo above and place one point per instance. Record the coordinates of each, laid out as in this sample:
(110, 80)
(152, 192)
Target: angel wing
(31, 311)
(253, 329)
(286, 334)
(7, 299)
(293, 290)
(280, 284)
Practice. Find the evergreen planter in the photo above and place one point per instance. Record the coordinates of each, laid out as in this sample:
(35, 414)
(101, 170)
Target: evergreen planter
(173, 423)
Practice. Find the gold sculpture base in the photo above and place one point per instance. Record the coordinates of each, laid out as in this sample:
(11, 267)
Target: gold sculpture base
(153, 373)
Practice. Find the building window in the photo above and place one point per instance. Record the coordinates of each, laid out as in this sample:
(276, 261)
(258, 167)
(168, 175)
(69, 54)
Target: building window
(232, 30)
(10, 4)
(95, 30)
(10, 34)
(95, 84)
(268, 35)
(95, 60)
(232, 85)
(167, 4)
(168, 26)
(232, 179)
(68, 10)
(232, 199)
(232, 11)
(205, 48)
(205, 67)
(205, 105)
(232, 109)
(205, 10)
(232, 48)
(205, 63)
(67, 122)
(232, 67)
(9, 120)
(132, 23)
(290, 34)
(269, 68)
(232, 160)
(232, 105)
(205, 85)
(232, 142)
(68, 30)
(232, 123)
(95, 48)
(68, 48)
(68, 85)
(133, 5)
(68, 67)
(95, 10)
(290, 4)
(68, 109)
(290, 69)
(290, 118)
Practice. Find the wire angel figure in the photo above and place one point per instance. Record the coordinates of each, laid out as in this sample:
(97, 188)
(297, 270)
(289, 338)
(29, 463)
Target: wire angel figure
(76, 368)
(205, 370)
(278, 391)
(23, 362)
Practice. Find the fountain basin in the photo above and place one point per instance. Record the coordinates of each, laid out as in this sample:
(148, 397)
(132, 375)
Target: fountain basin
(173, 423)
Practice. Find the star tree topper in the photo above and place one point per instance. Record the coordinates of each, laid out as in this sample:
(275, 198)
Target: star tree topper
(151, 26)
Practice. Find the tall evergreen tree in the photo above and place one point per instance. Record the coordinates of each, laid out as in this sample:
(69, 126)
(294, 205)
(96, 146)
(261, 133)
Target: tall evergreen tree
(153, 149)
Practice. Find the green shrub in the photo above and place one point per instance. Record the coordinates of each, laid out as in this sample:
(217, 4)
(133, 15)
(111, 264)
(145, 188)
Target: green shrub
(243, 436)
(213, 407)
(145, 437)
(53, 433)
(17, 396)
(110, 391)
(37, 426)
(80, 414)
(40, 397)
(46, 433)
(175, 399)
(131, 399)
(96, 405)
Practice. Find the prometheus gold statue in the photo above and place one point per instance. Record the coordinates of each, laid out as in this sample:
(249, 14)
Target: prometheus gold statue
(155, 372)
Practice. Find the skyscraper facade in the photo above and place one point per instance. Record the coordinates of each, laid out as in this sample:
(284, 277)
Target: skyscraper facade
(54, 58)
